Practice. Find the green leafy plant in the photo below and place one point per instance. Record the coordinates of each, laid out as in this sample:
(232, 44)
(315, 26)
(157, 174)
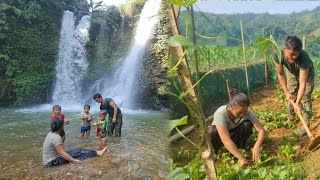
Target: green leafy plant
(272, 119)
(287, 152)
(281, 96)
(316, 93)
(193, 170)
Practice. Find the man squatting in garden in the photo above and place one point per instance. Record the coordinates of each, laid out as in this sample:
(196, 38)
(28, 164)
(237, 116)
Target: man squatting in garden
(115, 115)
(298, 85)
(232, 126)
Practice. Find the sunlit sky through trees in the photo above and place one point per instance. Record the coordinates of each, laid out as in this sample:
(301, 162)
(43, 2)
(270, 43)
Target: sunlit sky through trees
(271, 7)
(233, 7)
(110, 2)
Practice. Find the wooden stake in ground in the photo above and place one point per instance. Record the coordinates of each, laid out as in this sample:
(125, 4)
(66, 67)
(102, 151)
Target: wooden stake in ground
(244, 58)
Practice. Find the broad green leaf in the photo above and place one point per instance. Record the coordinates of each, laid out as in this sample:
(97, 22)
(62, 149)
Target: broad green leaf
(179, 40)
(181, 177)
(263, 43)
(185, 3)
(275, 44)
(193, 163)
(178, 174)
(178, 122)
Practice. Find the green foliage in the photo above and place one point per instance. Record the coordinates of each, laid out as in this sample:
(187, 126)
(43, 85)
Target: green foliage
(287, 152)
(178, 122)
(30, 84)
(269, 167)
(233, 172)
(255, 25)
(94, 5)
(179, 40)
(29, 35)
(272, 119)
(110, 38)
(316, 64)
(185, 3)
(211, 57)
(194, 170)
(291, 140)
(131, 7)
(315, 93)
(281, 95)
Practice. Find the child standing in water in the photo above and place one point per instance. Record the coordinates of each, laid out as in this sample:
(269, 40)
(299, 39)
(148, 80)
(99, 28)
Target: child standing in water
(86, 121)
(56, 113)
(101, 129)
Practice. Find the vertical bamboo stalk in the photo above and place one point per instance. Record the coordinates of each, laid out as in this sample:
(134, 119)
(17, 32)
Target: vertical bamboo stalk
(208, 56)
(266, 68)
(244, 57)
(191, 98)
(265, 61)
(196, 56)
(304, 42)
(228, 88)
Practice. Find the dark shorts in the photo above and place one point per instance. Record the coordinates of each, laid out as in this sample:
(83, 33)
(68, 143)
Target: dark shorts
(239, 135)
(78, 153)
(84, 129)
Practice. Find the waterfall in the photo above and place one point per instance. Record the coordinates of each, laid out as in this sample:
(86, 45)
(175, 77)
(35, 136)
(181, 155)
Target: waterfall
(121, 84)
(72, 62)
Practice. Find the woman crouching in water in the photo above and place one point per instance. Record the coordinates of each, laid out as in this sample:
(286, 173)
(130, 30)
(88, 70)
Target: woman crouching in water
(53, 148)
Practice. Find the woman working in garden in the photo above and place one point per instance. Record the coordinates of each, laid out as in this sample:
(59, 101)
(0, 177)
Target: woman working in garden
(232, 126)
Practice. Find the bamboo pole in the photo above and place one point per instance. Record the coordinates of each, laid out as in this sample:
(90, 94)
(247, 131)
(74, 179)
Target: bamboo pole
(244, 58)
(191, 98)
(304, 42)
(266, 68)
(228, 88)
(265, 61)
(196, 56)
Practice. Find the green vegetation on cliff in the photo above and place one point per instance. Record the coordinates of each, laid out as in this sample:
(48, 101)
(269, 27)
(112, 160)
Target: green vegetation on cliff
(110, 37)
(29, 36)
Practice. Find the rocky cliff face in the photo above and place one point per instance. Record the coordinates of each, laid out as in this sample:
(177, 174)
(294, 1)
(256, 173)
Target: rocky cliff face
(106, 47)
(154, 74)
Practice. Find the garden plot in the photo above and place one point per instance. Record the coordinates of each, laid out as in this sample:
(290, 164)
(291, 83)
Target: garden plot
(269, 101)
(284, 154)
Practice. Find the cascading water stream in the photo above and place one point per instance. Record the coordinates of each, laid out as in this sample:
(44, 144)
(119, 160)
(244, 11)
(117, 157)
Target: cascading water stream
(72, 62)
(121, 84)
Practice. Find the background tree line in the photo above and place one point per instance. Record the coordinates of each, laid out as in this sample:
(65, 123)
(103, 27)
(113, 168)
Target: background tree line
(306, 23)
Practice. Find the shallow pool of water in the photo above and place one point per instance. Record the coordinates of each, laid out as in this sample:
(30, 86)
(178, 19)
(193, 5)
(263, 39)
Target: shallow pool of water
(140, 153)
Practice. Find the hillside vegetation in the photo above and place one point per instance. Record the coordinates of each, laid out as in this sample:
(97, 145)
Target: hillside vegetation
(306, 23)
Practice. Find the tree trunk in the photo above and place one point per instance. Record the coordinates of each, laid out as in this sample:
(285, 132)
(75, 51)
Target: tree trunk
(196, 114)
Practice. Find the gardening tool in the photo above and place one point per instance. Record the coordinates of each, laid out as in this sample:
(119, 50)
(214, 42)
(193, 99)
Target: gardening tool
(314, 141)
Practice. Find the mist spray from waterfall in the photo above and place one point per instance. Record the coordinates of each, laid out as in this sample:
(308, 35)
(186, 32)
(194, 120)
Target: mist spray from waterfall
(72, 62)
(120, 86)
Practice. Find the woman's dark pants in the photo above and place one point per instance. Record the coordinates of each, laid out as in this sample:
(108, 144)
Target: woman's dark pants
(239, 135)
